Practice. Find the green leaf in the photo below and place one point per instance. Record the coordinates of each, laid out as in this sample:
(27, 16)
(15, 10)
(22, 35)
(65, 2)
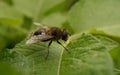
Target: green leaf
(115, 53)
(70, 3)
(102, 33)
(9, 36)
(8, 2)
(89, 56)
(55, 19)
(10, 16)
(100, 14)
(33, 8)
(51, 4)
(30, 59)
(2, 43)
(28, 7)
(108, 42)
(7, 69)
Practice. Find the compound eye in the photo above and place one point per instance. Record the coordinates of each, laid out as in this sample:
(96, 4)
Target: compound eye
(40, 32)
(65, 35)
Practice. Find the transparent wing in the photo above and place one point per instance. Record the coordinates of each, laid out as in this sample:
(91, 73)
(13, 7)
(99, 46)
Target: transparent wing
(40, 24)
(39, 38)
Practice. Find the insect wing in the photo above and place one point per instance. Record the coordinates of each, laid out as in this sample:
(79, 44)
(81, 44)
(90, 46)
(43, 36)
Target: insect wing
(41, 25)
(45, 37)
(39, 38)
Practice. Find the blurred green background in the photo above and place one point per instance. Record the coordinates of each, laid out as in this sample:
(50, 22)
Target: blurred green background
(77, 16)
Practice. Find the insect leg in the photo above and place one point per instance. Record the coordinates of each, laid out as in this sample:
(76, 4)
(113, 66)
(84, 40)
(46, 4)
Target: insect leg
(48, 48)
(63, 46)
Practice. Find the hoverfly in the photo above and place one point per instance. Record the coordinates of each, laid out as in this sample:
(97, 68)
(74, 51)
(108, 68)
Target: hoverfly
(49, 34)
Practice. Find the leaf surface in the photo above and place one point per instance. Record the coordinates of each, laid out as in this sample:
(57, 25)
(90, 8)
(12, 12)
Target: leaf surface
(89, 56)
(100, 14)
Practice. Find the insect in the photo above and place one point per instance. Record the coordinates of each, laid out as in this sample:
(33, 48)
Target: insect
(49, 34)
